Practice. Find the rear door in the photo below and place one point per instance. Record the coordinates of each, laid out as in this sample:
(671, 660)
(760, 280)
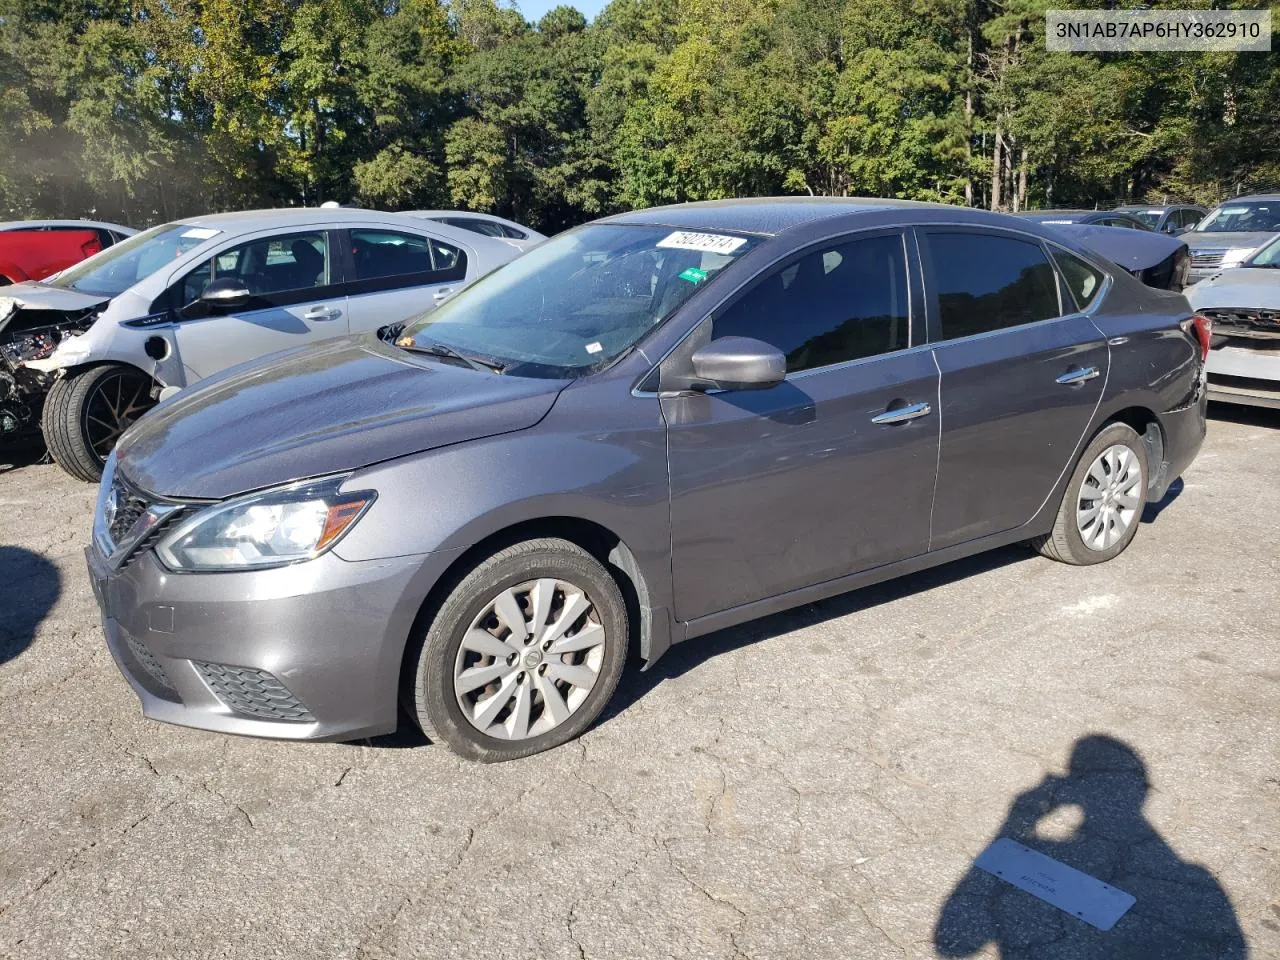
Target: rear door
(1022, 371)
(295, 278)
(829, 472)
(397, 273)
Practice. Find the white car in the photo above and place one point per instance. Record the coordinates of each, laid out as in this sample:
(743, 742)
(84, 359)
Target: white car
(109, 337)
(516, 234)
(1244, 305)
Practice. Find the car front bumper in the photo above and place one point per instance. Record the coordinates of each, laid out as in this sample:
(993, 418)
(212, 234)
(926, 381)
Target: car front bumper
(306, 652)
(1246, 371)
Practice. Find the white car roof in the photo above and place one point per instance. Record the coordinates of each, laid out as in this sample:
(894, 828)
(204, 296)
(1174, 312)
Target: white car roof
(82, 224)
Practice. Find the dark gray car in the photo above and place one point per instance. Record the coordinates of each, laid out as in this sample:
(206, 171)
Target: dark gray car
(646, 429)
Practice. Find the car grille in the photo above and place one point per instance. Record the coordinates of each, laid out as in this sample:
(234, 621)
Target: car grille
(1207, 258)
(147, 661)
(132, 507)
(1242, 322)
(253, 693)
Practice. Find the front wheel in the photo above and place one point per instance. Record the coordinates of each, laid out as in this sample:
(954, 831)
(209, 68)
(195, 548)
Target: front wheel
(524, 654)
(1103, 503)
(85, 413)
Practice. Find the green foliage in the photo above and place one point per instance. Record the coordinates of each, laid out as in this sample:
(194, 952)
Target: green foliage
(143, 110)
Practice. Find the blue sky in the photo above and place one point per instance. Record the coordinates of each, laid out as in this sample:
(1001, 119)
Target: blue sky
(534, 9)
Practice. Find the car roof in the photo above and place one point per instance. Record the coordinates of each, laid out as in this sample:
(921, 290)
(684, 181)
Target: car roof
(770, 216)
(1272, 197)
(1157, 206)
(245, 221)
(82, 224)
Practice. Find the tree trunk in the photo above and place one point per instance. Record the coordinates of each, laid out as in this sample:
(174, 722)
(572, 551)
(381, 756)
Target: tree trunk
(1021, 202)
(968, 128)
(997, 165)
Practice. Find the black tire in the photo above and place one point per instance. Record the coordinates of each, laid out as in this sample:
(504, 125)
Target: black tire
(73, 419)
(432, 698)
(1064, 542)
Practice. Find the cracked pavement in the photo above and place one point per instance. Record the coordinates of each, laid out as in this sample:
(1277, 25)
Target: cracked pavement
(812, 785)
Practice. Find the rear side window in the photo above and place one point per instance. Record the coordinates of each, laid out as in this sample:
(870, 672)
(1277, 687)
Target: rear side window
(384, 253)
(986, 282)
(842, 302)
(1083, 280)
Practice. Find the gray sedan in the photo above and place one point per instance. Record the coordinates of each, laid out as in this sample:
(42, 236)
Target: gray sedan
(645, 429)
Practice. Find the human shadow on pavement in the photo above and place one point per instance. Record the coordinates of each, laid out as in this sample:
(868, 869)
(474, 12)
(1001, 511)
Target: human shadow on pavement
(31, 586)
(1181, 912)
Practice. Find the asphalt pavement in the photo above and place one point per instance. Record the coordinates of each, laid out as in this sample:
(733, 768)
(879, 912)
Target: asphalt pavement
(812, 785)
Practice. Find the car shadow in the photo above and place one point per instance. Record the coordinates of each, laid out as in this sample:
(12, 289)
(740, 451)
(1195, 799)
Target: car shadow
(683, 657)
(1092, 820)
(25, 452)
(1153, 510)
(32, 587)
(1246, 415)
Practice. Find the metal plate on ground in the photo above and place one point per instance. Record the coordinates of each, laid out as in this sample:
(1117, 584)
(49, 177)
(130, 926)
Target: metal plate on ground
(1096, 903)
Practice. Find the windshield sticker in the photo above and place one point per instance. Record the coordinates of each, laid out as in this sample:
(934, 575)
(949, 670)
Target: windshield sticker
(706, 242)
(694, 275)
(1233, 211)
(199, 233)
(594, 347)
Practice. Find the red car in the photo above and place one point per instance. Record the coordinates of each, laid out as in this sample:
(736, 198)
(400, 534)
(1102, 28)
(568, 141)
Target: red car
(36, 254)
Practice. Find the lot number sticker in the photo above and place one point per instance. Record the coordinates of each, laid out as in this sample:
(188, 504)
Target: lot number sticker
(706, 242)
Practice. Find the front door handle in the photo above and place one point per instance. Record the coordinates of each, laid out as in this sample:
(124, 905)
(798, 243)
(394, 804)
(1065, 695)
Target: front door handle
(1078, 375)
(440, 294)
(322, 312)
(902, 414)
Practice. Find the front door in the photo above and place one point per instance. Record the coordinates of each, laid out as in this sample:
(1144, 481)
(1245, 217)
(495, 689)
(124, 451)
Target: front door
(831, 471)
(1022, 373)
(297, 298)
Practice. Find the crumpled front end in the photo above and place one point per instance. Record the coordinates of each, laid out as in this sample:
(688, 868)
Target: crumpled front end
(30, 336)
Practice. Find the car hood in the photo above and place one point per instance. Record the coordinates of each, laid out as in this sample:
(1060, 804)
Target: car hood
(1243, 287)
(1134, 250)
(41, 296)
(1206, 240)
(342, 404)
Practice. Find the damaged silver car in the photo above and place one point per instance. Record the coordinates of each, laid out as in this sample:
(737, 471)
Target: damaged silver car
(86, 353)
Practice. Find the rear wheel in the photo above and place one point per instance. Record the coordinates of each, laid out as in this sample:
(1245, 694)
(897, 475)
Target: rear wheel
(85, 413)
(1103, 503)
(524, 654)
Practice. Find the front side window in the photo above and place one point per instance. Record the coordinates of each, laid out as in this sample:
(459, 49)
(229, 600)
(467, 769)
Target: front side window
(131, 261)
(267, 266)
(843, 302)
(986, 282)
(579, 300)
(1083, 280)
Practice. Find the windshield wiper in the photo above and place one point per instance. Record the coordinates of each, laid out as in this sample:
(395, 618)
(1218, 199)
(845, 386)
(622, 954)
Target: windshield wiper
(448, 353)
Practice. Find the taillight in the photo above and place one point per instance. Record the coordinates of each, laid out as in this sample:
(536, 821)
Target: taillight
(1203, 327)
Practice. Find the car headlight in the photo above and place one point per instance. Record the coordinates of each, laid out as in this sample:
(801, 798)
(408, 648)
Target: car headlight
(267, 529)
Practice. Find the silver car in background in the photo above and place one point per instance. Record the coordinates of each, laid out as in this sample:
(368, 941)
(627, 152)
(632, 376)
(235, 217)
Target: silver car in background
(108, 338)
(1229, 235)
(1244, 305)
(516, 234)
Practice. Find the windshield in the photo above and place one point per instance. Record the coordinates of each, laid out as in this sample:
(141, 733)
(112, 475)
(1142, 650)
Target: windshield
(1268, 256)
(1148, 217)
(577, 301)
(1259, 216)
(116, 269)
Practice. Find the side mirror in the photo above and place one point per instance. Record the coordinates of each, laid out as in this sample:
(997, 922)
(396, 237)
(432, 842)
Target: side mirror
(226, 293)
(739, 363)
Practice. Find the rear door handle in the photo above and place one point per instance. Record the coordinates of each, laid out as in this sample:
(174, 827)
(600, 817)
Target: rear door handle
(902, 414)
(440, 294)
(322, 312)
(1079, 375)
